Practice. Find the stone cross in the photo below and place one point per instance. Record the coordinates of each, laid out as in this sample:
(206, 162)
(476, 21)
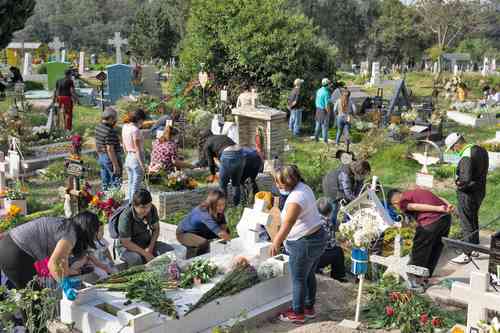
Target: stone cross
(27, 64)
(56, 45)
(118, 42)
(81, 63)
(477, 297)
(396, 264)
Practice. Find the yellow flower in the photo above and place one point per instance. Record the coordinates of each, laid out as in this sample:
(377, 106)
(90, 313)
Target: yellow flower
(95, 201)
(13, 211)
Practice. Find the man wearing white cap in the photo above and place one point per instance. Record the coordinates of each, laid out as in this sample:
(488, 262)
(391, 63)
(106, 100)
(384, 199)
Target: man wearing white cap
(295, 106)
(322, 110)
(472, 171)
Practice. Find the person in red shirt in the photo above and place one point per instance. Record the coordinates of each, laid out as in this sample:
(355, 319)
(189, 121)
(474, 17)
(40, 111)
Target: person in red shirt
(433, 216)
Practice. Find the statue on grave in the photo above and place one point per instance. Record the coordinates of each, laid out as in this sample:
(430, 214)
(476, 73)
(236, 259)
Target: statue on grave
(248, 99)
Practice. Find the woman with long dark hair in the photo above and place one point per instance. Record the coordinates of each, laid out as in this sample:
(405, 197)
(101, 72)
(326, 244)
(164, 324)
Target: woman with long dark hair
(46, 237)
(345, 109)
(204, 223)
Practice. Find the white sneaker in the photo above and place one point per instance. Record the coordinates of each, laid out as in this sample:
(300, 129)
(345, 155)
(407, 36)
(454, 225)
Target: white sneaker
(461, 259)
(475, 254)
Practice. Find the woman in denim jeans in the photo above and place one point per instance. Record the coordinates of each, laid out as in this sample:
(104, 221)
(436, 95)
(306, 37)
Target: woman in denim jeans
(345, 109)
(133, 143)
(306, 241)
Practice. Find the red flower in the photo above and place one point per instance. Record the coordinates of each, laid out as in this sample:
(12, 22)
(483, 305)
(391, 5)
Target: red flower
(100, 194)
(389, 311)
(424, 318)
(436, 322)
(394, 296)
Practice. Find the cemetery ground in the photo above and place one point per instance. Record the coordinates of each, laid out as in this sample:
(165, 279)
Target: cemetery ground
(388, 160)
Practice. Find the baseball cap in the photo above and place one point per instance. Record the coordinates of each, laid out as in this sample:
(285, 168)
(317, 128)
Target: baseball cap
(451, 140)
(325, 82)
(109, 112)
(298, 81)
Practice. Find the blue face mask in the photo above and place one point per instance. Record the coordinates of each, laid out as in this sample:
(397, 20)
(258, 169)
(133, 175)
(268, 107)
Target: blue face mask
(284, 192)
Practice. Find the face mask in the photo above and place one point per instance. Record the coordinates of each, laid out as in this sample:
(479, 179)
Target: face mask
(284, 192)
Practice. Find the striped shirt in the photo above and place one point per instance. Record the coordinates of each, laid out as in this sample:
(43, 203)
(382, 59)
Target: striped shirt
(106, 135)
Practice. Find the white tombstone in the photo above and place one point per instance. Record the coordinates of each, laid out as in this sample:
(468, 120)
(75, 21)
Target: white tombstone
(118, 42)
(435, 68)
(56, 45)
(375, 79)
(493, 66)
(63, 55)
(477, 297)
(3, 170)
(81, 63)
(364, 68)
(455, 69)
(27, 68)
(486, 67)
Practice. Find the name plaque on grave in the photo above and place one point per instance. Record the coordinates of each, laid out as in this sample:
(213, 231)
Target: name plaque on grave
(75, 168)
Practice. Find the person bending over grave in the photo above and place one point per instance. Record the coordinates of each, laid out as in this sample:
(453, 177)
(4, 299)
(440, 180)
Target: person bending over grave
(253, 165)
(472, 171)
(47, 237)
(344, 184)
(109, 150)
(432, 214)
(221, 150)
(334, 255)
(133, 143)
(64, 94)
(205, 223)
(138, 230)
(202, 153)
(305, 241)
(162, 122)
(15, 75)
(164, 156)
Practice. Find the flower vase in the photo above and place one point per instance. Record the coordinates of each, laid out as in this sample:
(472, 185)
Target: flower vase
(19, 203)
(359, 258)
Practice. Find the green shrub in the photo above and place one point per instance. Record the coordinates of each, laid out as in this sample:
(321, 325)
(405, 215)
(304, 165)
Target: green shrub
(33, 85)
(42, 69)
(444, 171)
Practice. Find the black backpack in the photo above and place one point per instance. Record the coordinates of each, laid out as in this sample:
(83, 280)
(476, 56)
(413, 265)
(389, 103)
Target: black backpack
(114, 219)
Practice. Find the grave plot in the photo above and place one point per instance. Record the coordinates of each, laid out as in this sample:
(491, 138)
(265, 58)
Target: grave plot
(471, 114)
(251, 285)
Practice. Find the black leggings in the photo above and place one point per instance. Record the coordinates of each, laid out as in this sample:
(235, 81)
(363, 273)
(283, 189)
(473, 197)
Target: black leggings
(15, 263)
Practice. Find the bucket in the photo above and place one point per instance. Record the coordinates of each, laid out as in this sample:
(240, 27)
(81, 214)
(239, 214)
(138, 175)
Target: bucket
(359, 258)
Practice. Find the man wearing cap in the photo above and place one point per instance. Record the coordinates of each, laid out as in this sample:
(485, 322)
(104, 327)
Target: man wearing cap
(109, 150)
(295, 106)
(472, 171)
(322, 110)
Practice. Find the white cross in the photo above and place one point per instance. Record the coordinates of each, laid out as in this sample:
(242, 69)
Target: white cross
(396, 264)
(477, 297)
(117, 42)
(3, 170)
(56, 45)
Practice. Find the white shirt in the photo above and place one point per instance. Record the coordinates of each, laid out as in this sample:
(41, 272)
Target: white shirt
(309, 217)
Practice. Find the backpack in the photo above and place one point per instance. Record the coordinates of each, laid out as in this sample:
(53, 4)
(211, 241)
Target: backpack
(114, 219)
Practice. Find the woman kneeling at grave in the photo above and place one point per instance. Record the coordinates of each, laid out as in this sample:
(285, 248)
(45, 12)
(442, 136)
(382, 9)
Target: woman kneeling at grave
(47, 237)
(204, 223)
(306, 240)
(164, 156)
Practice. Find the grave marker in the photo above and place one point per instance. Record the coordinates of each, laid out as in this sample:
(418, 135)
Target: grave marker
(81, 63)
(375, 79)
(27, 69)
(55, 72)
(477, 297)
(118, 42)
(119, 82)
(56, 45)
(3, 170)
(365, 68)
(486, 67)
(151, 84)
(63, 55)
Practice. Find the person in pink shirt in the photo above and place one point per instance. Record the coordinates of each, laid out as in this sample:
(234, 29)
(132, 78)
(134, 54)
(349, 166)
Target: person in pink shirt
(133, 144)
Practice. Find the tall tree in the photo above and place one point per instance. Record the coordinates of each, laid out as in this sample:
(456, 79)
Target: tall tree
(14, 14)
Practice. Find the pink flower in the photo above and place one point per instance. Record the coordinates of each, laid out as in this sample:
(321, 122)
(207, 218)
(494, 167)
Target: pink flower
(424, 318)
(389, 311)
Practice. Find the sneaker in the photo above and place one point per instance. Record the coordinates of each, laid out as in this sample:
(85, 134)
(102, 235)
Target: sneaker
(292, 317)
(474, 254)
(309, 313)
(461, 259)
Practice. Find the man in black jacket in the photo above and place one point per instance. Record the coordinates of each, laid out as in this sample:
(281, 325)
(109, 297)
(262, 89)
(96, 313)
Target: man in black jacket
(472, 171)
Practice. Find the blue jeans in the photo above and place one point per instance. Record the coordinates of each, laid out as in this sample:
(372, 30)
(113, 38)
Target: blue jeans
(335, 212)
(232, 164)
(322, 124)
(295, 121)
(135, 175)
(342, 128)
(108, 178)
(304, 255)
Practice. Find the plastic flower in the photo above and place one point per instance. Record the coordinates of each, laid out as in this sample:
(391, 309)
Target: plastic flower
(436, 322)
(389, 311)
(13, 211)
(424, 318)
(394, 296)
(95, 201)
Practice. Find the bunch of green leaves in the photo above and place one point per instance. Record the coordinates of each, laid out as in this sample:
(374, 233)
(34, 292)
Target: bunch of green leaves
(201, 269)
(444, 171)
(176, 217)
(391, 306)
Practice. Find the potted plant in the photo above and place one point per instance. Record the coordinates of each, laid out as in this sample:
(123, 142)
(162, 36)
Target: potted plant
(15, 196)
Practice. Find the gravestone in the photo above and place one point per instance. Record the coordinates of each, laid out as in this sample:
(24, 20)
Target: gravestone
(93, 59)
(477, 297)
(81, 63)
(119, 82)
(365, 68)
(486, 67)
(455, 69)
(3, 170)
(493, 66)
(12, 57)
(55, 72)
(118, 42)
(56, 45)
(435, 68)
(150, 81)
(375, 79)
(400, 97)
(27, 68)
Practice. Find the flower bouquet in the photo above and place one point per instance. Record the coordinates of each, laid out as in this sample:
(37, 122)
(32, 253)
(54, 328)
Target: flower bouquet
(16, 196)
(11, 219)
(104, 204)
(179, 181)
(492, 327)
(362, 229)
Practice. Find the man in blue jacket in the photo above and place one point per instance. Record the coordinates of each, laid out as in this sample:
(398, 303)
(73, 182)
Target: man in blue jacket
(323, 110)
